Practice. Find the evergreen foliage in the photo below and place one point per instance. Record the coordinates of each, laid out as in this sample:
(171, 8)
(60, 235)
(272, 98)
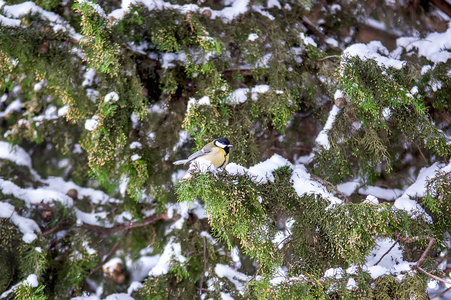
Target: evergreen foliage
(101, 97)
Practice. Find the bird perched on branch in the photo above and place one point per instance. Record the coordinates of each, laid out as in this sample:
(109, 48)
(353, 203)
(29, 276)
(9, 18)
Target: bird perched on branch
(216, 153)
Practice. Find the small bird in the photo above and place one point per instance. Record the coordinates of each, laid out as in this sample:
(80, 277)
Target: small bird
(216, 152)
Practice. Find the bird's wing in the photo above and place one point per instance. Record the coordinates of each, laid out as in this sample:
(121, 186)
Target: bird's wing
(180, 162)
(196, 155)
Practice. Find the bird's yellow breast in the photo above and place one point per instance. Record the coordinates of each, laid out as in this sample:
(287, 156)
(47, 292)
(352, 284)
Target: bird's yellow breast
(218, 157)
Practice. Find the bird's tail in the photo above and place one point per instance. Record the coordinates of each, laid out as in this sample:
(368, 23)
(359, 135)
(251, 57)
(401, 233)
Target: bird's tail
(180, 162)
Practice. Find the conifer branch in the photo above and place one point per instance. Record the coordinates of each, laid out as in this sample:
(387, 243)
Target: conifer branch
(131, 225)
(332, 186)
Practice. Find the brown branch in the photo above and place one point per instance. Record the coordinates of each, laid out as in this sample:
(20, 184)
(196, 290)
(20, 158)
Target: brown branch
(423, 256)
(334, 187)
(59, 226)
(230, 72)
(442, 293)
(321, 281)
(394, 244)
(203, 271)
(367, 33)
(328, 57)
(131, 225)
(421, 152)
(432, 275)
(408, 239)
(45, 205)
(49, 232)
(426, 252)
(285, 239)
(7, 286)
(309, 24)
(109, 256)
(445, 257)
(443, 6)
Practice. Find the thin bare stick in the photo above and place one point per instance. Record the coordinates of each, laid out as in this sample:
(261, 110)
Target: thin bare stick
(7, 286)
(203, 271)
(426, 252)
(394, 244)
(131, 225)
(49, 232)
(45, 205)
(442, 293)
(107, 258)
(445, 257)
(421, 152)
(423, 258)
(62, 225)
(334, 187)
(110, 254)
(329, 56)
(407, 239)
(432, 275)
(443, 6)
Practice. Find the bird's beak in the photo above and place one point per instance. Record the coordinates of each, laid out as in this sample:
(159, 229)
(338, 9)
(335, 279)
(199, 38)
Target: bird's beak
(230, 145)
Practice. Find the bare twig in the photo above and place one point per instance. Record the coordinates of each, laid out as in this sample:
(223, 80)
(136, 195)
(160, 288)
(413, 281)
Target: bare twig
(45, 205)
(407, 240)
(431, 275)
(203, 271)
(334, 187)
(49, 232)
(443, 259)
(7, 286)
(107, 258)
(309, 24)
(442, 293)
(421, 152)
(285, 239)
(394, 244)
(443, 6)
(423, 256)
(62, 225)
(131, 225)
(329, 56)
(426, 252)
(320, 281)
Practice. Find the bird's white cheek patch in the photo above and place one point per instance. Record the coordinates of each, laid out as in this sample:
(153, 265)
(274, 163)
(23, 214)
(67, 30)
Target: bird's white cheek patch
(219, 144)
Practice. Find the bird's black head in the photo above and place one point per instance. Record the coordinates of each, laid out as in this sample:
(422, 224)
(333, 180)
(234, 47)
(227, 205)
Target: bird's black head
(223, 143)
